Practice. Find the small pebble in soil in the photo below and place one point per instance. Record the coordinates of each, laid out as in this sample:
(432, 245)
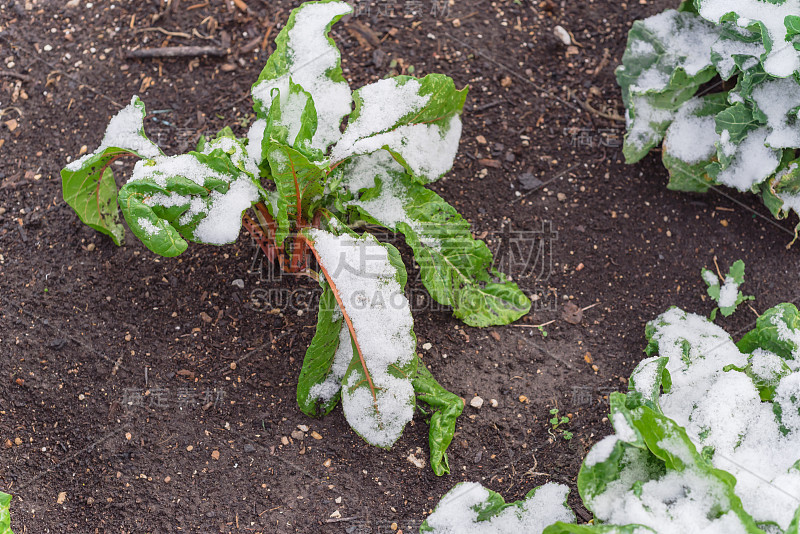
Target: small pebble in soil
(493, 402)
(427, 346)
(238, 283)
(304, 428)
(476, 402)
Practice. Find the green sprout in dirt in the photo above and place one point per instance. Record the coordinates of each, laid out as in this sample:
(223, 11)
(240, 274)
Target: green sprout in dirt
(725, 290)
(718, 81)
(556, 422)
(301, 186)
(542, 331)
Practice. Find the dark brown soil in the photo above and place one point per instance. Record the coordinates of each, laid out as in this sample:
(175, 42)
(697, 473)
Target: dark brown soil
(140, 394)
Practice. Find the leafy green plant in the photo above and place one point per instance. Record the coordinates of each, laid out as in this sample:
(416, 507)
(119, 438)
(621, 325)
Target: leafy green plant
(5, 516)
(469, 508)
(717, 80)
(309, 186)
(708, 437)
(556, 422)
(725, 290)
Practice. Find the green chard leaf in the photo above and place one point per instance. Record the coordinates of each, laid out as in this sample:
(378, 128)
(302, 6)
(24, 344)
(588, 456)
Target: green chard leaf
(667, 59)
(292, 121)
(88, 183)
(648, 378)
(773, 19)
(5, 516)
(470, 507)
(196, 196)
(367, 279)
(626, 475)
(446, 409)
(777, 331)
(455, 268)
(306, 56)
(690, 143)
(326, 360)
(744, 161)
(299, 183)
(418, 121)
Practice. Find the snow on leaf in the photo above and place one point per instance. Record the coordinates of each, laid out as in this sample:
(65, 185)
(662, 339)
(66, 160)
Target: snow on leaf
(690, 143)
(657, 479)
(195, 196)
(470, 508)
(667, 58)
(731, 404)
(774, 19)
(367, 278)
(418, 121)
(88, 183)
(455, 267)
(308, 57)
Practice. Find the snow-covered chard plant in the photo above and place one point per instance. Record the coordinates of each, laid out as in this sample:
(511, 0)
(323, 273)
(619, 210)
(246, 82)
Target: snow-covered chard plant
(708, 437)
(309, 185)
(717, 80)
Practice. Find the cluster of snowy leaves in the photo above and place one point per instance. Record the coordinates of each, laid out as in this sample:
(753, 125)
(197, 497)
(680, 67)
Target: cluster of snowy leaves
(317, 181)
(718, 82)
(708, 437)
(706, 440)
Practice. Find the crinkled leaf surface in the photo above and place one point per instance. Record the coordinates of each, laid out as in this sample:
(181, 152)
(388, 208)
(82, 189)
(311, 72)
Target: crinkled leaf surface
(455, 268)
(774, 19)
(777, 330)
(88, 183)
(667, 58)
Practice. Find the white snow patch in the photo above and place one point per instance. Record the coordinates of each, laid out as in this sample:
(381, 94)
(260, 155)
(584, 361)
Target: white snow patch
(783, 59)
(456, 512)
(381, 317)
(123, 131)
(311, 56)
(690, 138)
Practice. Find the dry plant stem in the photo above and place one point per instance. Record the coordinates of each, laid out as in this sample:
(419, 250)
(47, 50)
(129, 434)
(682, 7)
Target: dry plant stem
(346, 317)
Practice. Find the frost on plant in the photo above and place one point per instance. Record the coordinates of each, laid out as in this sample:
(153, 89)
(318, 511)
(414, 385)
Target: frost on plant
(741, 129)
(708, 437)
(725, 290)
(300, 184)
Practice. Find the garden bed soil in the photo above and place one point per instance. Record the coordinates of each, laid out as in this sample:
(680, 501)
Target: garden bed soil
(144, 394)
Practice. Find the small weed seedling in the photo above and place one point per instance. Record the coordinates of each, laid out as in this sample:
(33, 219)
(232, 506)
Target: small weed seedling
(308, 186)
(556, 422)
